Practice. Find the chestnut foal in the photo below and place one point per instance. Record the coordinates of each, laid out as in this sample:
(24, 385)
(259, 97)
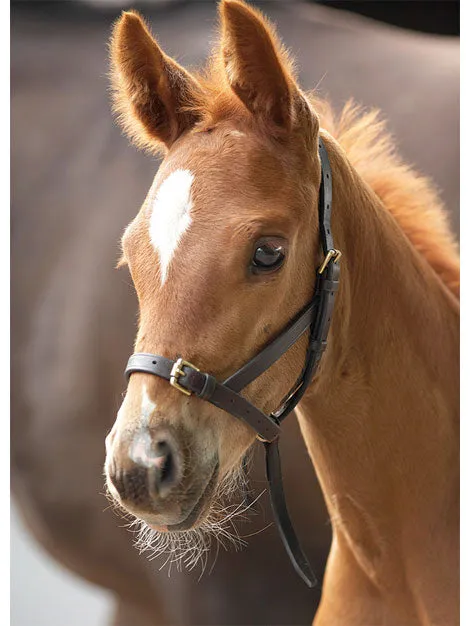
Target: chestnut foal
(223, 255)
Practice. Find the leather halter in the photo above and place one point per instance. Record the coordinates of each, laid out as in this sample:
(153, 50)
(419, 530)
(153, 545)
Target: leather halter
(226, 395)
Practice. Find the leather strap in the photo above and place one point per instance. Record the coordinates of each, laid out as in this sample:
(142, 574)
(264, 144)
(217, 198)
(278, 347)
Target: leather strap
(207, 388)
(269, 355)
(325, 200)
(281, 515)
(327, 285)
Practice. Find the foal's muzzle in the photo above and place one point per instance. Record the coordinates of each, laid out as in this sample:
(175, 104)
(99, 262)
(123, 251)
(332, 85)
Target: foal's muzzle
(154, 477)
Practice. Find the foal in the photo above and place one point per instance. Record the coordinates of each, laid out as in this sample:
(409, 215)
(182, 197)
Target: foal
(223, 254)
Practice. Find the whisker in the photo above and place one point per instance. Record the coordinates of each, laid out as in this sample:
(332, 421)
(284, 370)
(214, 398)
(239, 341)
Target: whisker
(192, 548)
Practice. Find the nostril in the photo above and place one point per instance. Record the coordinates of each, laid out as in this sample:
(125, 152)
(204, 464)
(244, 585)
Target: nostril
(165, 463)
(157, 453)
(162, 447)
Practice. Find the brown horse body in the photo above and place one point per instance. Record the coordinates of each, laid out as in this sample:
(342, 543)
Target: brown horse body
(240, 178)
(61, 412)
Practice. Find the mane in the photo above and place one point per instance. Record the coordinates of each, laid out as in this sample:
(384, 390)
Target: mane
(410, 197)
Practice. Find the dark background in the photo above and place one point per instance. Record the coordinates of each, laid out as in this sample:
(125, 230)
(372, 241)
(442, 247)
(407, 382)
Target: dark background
(441, 16)
(429, 16)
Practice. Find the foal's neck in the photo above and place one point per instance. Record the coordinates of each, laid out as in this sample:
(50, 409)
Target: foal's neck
(381, 420)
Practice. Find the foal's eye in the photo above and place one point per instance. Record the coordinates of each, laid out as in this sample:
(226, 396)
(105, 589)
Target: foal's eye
(269, 255)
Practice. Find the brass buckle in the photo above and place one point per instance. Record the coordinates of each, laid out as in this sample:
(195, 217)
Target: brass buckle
(331, 254)
(177, 371)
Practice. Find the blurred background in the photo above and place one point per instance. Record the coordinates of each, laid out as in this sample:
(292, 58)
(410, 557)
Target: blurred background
(75, 185)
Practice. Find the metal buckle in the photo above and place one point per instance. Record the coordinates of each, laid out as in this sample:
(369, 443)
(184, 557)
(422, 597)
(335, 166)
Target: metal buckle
(177, 371)
(331, 254)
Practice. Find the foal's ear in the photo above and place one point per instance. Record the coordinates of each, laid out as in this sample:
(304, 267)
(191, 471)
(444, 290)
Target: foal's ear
(256, 64)
(152, 93)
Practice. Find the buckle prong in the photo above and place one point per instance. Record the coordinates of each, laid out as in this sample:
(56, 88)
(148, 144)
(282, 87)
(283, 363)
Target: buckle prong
(331, 254)
(177, 371)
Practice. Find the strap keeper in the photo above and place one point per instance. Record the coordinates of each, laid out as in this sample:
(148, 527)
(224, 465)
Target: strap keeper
(318, 345)
(326, 284)
(209, 387)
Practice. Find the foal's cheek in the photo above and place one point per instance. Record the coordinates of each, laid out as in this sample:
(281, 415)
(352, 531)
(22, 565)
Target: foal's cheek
(234, 442)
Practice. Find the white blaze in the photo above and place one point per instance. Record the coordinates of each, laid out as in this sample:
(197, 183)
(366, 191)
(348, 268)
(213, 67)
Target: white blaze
(147, 406)
(170, 216)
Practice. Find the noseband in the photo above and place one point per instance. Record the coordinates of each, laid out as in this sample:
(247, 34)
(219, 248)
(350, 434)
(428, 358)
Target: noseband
(226, 395)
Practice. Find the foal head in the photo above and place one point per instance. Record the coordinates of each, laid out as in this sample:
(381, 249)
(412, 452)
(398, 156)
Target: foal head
(222, 252)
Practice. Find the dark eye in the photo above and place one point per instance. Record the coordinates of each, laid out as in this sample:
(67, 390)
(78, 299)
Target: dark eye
(269, 255)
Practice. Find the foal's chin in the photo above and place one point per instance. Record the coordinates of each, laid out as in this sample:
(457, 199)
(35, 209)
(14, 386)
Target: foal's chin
(194, 513)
